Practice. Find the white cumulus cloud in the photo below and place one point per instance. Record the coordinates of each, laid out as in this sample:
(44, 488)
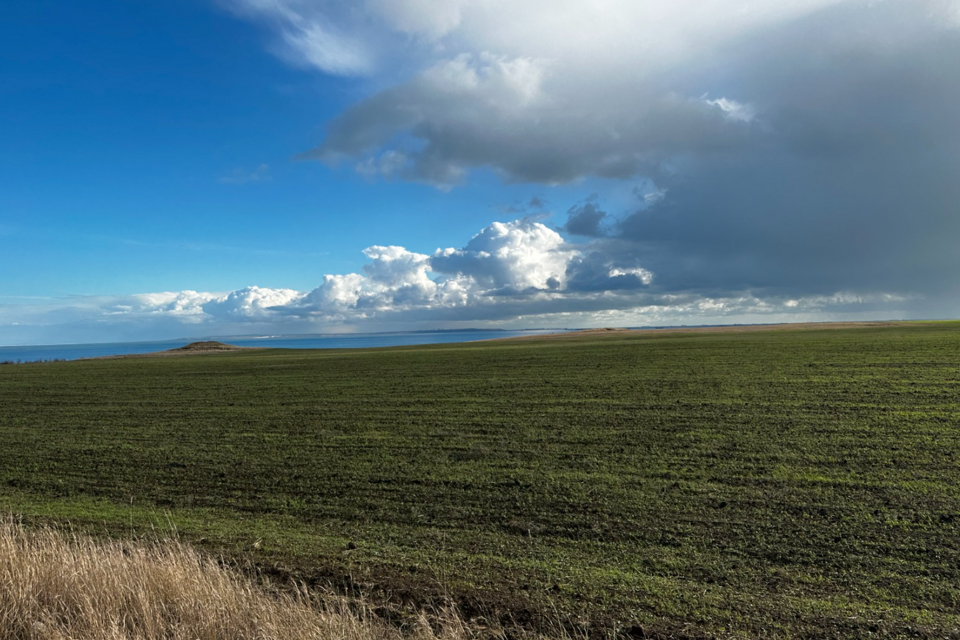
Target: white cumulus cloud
(250, 303)
(516, 255)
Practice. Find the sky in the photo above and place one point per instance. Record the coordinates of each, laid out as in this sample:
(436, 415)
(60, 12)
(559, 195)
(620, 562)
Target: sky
(198, 168)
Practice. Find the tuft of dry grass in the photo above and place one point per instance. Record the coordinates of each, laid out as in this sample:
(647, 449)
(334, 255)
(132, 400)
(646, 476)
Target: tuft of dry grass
(54, 585)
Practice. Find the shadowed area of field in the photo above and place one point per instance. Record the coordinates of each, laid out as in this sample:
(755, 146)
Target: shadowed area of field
(800, 482)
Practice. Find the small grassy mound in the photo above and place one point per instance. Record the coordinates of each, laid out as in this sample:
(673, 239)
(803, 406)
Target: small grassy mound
(207, 345)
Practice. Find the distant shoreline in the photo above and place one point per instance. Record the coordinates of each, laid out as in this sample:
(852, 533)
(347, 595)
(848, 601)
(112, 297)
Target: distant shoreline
(70, 352)
(729, 328)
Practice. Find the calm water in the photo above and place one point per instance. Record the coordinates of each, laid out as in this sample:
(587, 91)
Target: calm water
(352, 341)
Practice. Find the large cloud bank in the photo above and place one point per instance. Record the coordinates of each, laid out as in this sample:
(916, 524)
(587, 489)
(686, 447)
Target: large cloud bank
(789, 149)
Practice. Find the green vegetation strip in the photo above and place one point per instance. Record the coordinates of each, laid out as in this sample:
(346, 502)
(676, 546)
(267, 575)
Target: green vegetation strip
(801, 483)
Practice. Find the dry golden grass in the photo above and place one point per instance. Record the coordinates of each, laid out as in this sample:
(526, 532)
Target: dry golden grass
(59, 586)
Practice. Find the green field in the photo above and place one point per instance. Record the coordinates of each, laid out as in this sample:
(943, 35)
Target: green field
(789, 483)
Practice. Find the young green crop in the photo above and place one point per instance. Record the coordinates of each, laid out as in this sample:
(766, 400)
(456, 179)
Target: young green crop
(771, 483)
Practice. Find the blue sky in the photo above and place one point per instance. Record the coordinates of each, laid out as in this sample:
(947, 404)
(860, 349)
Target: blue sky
(245, 166)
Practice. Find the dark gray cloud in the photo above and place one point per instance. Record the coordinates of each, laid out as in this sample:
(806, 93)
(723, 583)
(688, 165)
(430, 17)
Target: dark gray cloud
(585, 220)
(506, 114)
(607, 266)
(854, 181)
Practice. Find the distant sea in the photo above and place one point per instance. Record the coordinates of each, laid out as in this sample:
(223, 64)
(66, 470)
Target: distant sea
(318, 341)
